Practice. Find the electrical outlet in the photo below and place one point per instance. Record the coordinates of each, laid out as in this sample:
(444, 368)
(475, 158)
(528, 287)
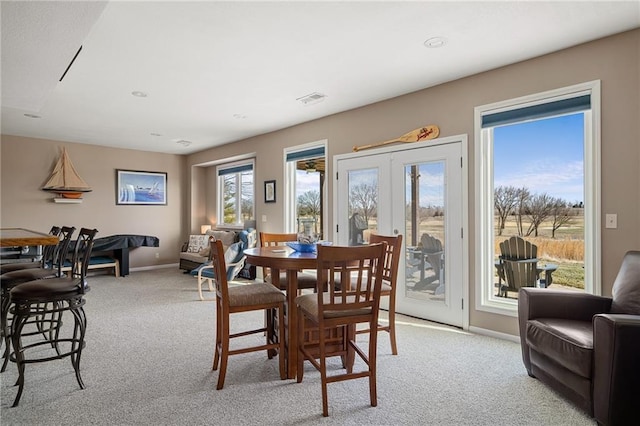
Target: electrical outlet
(157, 255)
(611, 221)
(264, 217)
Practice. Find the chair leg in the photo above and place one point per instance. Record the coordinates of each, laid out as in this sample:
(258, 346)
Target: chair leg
(392, 328)
(200, 289)
(301, 357)
(281, 339)
(19, 319)
(218, 343)
(80, 327)
(373, 344)
(270, 333)
(323, 372)
(6, 333)
(224, 353)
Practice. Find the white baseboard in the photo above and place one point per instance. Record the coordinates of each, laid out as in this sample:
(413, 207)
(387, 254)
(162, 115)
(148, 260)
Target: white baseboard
(149, 268)
(496, 334)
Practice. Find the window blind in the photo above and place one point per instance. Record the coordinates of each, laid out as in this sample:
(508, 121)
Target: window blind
(549, 109)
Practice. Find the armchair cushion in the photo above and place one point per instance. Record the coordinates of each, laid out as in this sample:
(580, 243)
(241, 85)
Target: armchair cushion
(568, 342)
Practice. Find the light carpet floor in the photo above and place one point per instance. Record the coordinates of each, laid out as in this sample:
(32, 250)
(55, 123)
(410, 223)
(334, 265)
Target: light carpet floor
(148, 357)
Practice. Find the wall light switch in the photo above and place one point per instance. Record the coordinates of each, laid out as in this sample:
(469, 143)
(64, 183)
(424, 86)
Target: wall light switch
(611, 221)
(264, 217)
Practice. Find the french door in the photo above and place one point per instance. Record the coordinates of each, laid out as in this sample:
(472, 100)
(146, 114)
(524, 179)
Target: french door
(419, 193)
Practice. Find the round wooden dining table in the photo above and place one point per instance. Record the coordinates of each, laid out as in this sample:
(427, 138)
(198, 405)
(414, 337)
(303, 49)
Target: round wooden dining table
(283, 258)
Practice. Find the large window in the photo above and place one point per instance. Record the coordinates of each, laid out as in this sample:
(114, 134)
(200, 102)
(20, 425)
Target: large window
(538, 181)
(236, 191)
(305, 190)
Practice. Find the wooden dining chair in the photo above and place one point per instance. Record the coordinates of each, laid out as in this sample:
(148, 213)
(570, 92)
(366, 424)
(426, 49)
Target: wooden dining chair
(341, 307)
(244, 298)
(305, 279)
(389, 280)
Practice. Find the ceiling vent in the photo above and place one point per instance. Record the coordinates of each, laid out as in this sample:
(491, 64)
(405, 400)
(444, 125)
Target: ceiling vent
(312, 98)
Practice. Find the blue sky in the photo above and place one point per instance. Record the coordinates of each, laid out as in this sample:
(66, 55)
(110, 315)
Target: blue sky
(545, 156)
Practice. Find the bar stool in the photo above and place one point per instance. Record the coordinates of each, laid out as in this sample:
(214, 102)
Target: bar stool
(51, 268)
(50, 298)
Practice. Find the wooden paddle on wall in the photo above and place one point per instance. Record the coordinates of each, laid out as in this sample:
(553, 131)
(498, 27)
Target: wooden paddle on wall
(420, 134)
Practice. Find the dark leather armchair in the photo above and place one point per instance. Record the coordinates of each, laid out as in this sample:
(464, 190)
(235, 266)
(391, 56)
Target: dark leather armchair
(587, 347)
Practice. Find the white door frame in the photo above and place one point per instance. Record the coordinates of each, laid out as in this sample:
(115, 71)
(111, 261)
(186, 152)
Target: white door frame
(462, 139)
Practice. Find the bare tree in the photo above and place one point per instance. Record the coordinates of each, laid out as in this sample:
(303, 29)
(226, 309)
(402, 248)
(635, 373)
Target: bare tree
(363, 199)
(561, 213)
(522, 197)
(539, 208)
(505, 198)
(309, 204)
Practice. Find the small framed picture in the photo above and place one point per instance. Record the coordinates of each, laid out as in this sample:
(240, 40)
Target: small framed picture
(141, 188)
(269, 191)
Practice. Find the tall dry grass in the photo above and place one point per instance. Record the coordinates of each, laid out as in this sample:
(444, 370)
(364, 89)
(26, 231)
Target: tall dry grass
(553, 249)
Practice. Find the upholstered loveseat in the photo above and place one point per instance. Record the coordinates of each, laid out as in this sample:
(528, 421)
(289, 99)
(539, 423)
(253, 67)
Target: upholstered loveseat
(195, 252)
(587, 347)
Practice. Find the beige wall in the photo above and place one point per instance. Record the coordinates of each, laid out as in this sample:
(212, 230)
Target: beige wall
(27, 164)
(613, 60)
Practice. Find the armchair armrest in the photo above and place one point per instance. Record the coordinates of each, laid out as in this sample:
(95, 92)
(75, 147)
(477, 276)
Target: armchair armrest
(616, 383)
(546, 303)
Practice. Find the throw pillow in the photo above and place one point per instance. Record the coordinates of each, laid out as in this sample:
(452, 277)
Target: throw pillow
(204, 252)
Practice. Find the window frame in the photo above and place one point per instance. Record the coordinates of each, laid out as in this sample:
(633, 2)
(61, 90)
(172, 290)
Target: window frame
(290, 200)
(220, 169)
(484, 263)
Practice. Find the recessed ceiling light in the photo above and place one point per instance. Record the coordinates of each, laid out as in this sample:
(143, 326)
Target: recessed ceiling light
(239, 116)
(139, 94)
(32, 116)
(184, 142)
(312, 98)
(435, 42)
(155, 134)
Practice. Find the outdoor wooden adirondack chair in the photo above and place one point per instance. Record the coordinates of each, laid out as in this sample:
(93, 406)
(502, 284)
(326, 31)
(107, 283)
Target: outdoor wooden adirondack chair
(518, 265)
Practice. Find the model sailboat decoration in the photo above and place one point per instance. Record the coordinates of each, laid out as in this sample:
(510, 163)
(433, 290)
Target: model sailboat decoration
(65, 181)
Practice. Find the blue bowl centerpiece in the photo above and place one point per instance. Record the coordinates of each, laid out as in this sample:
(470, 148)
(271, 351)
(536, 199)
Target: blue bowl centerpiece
(306, 242)
(302, 247)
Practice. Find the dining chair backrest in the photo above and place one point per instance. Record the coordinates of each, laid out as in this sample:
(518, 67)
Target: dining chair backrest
(48, 252)
(219, 271)
(268, 239)
(350, 280)
(392, 256)
(61, 250)
(81, 257)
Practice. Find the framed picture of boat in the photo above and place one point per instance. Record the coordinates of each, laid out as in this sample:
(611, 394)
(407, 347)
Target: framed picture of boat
(141, 188)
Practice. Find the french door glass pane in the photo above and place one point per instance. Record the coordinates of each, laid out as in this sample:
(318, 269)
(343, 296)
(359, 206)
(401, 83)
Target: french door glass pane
(363, 205)
(425, 231)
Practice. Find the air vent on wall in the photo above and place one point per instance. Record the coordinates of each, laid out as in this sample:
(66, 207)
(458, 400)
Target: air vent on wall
(312, 98)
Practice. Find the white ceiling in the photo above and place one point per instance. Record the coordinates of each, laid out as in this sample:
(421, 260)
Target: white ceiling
(218, 72)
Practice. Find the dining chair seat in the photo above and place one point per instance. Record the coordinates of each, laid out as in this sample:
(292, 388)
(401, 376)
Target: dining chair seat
(254, 294)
